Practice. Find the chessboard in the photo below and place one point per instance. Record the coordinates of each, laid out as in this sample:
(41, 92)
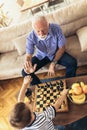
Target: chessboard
(47, 93)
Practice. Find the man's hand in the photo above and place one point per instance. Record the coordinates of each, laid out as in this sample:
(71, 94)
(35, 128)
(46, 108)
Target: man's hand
(28, 68)
(51, 70)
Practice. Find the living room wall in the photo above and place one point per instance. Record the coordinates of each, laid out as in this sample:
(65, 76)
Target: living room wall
(12, 8)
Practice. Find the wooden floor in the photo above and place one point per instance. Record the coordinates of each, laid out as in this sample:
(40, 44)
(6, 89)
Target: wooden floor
(8, 95)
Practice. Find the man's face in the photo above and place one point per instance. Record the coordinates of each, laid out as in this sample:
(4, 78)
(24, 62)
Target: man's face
(41, 28)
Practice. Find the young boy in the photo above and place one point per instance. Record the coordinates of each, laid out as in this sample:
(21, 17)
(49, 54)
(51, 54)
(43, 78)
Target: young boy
(22, 116)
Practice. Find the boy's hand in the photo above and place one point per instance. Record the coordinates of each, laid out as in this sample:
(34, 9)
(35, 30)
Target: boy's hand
(27, 79)
(61, 98)
(64, 92)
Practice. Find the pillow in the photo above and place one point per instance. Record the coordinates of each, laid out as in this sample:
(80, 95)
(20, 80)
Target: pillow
(82, 36)
(20, 44)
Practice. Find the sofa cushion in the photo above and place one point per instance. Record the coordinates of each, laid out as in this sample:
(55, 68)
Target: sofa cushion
(68, 14)
(82, 36)
(73, 48)
(6, 47)
(70, 17)
(15, 30)
(71, 28)
(20, 44)
(11, 65)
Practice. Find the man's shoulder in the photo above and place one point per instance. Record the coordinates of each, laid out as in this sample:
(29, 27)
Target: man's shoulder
(54, 28)
(32, 35)
(52, 25)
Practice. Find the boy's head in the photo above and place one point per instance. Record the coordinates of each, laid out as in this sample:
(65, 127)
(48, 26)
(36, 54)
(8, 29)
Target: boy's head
(20, 115)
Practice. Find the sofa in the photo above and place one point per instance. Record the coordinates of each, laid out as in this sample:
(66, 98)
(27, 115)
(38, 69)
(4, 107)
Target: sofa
(73, 21)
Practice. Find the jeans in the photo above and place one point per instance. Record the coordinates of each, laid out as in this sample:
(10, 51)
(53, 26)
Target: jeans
(79, 125)
(70, 63)
(60, 127)
(66, 60)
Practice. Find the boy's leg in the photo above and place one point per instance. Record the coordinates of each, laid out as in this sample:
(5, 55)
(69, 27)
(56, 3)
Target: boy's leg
(70, 63)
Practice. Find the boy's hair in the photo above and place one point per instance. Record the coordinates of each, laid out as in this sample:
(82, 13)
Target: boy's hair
(20, 116)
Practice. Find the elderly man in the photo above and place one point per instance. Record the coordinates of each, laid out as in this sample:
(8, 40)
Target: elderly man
(49, 42)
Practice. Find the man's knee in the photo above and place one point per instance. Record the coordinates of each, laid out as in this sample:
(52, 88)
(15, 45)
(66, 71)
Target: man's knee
(23, 73)
(74, 62)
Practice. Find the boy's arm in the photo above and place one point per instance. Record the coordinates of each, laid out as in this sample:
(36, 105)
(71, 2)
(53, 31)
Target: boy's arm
(26, 83)
(60, 99)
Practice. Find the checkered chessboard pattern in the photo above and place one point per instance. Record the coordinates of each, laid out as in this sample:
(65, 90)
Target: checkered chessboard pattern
(47, 93)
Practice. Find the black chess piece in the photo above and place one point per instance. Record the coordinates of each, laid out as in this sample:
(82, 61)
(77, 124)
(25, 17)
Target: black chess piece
(47, 85)
(51, 85)
(38, 86)
(58, 85)
(28, 92)
(61, 83)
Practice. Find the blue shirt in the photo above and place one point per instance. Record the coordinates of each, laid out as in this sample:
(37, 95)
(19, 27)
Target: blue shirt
(48, 47)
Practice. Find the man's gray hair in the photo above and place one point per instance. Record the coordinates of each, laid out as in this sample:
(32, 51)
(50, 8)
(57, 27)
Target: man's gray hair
(37, 18)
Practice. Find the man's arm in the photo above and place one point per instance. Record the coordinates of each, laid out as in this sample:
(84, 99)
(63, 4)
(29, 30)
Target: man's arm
(58, 55)
(26, 83)
(60, 99)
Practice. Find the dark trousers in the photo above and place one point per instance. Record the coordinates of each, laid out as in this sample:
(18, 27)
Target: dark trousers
(66, 60)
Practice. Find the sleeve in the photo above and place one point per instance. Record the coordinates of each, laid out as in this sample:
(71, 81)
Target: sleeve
(50, 112)
(61, 37)
(29, 45)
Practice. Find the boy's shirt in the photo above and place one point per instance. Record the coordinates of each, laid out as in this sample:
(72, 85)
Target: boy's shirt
(43, 121)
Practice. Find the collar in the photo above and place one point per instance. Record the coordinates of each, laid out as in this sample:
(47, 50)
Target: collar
(32, 121)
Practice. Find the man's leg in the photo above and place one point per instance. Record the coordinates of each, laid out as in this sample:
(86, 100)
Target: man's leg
(40, 63)
(70, 63)
(35, 79)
